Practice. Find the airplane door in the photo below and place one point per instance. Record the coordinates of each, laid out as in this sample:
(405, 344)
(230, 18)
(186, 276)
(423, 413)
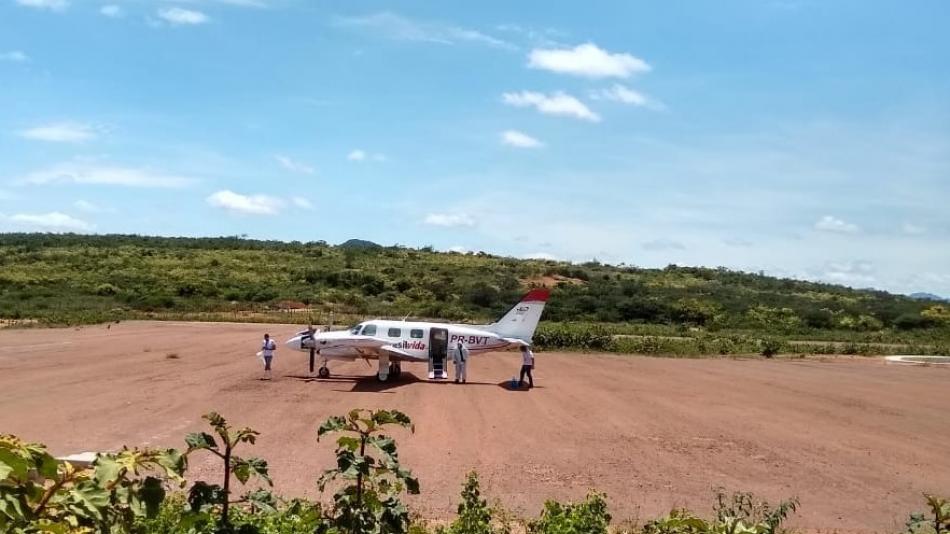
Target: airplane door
(438, 352)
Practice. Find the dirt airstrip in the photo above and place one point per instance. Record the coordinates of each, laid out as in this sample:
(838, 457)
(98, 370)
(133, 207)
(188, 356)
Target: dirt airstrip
(856, 440)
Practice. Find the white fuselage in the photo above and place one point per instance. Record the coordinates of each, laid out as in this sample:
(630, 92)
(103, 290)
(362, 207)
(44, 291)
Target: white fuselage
(413, 338)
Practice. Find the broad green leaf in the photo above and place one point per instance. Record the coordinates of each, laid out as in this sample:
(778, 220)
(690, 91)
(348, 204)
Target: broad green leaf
(348, 442)
(200, 440)
(107, 469)
(333, 424)
(252, 467)
(12, 463)
(173, 462)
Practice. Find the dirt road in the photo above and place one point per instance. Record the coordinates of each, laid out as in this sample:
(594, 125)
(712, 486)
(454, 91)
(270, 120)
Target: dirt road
(857, 441)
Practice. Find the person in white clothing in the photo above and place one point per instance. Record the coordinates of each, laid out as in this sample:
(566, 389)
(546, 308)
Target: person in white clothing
(460, 358)
(527, 365)
(267, 353)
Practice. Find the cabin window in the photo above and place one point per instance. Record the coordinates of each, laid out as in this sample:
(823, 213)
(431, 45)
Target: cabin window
(415, 333)
(369, 330)
(395, 332)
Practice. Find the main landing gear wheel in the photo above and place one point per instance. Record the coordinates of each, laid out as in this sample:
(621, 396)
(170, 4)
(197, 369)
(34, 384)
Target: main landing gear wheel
(323, 372)
(395, 370)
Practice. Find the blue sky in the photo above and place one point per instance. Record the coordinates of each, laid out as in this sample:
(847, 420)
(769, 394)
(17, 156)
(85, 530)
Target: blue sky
(804, 138)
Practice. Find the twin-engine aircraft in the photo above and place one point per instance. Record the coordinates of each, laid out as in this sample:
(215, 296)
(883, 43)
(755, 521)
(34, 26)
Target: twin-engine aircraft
(396, 342)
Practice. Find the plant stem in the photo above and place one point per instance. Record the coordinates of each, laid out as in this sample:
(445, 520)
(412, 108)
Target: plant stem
(227, 485)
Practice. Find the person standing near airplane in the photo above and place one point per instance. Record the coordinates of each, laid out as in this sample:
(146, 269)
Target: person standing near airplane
(460, 357)
(527, 364)
(267, 353)
(307, 341)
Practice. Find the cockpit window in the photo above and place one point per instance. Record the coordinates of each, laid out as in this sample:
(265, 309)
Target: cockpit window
(356, 329)
(369, 330)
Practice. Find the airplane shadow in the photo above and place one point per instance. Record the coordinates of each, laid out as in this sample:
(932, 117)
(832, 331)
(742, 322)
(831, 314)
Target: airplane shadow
(362, 383)
(369, 384)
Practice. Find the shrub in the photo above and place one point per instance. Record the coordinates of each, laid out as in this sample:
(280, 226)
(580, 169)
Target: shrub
(106, 290)
(474, 514)
(769, 347)
(369, 467)
(40, 494)
(587, 517)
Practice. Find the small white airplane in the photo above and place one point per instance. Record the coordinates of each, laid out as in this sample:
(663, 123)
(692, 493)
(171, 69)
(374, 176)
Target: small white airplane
(395, 342)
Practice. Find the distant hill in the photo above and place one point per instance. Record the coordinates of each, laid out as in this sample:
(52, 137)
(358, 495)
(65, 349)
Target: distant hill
(928, 296)
(84, 278)
(359, 244)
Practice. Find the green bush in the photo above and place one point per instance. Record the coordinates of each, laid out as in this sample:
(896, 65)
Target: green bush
(587, 517)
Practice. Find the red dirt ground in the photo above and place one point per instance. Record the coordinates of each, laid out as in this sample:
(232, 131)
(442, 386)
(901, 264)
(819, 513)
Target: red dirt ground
(856, 440)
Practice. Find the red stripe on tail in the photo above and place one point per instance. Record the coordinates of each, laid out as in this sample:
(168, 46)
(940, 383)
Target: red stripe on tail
(537, 295)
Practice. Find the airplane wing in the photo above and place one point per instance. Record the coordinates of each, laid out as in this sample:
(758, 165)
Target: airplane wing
(400, 355)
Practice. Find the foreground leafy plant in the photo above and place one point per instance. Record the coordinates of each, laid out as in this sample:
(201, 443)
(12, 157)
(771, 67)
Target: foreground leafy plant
(738, 513)
(474, 514)
(587, 517)
(204, 495)
(368, 465)
(937, 523)
(40, 494)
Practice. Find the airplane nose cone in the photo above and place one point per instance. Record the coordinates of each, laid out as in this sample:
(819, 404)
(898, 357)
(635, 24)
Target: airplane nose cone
(293, 342)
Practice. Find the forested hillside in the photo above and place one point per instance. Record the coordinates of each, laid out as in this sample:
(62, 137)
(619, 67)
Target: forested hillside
(75, 278)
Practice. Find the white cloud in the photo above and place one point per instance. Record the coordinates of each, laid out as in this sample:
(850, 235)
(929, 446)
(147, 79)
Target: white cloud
(663, 244)
(621, 93)
(178, 16)
(302, 203)
(397, 27)
(833, 224)
(558, 103)
(14, 56)
(449, 220)
(54, 221)
(61, 132)
(247, 204)
(520, 139)
(293, 166)
(913, 229)
(89, 207)
(52, 5)
(356, 155)
(587, 60)
(82, 173)
(860, 273)
(111, 10)
(540, 256)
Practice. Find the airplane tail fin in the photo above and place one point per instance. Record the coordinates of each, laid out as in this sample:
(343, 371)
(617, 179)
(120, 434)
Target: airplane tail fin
(521, 320)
